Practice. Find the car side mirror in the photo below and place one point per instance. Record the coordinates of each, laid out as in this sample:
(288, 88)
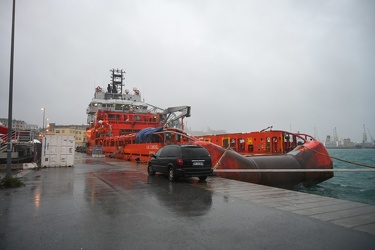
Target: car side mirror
(153, 156)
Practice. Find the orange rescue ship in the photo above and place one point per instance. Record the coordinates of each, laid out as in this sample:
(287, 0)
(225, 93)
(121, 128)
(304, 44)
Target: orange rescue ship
(123, 126)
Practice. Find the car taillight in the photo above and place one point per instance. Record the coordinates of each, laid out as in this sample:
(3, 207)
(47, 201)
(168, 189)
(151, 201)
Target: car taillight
(180, 162)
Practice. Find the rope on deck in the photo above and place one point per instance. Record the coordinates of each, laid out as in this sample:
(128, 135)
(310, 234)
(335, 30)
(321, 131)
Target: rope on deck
(219, 161)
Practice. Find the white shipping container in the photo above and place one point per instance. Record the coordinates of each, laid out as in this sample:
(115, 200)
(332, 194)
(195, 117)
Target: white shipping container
(58, 151)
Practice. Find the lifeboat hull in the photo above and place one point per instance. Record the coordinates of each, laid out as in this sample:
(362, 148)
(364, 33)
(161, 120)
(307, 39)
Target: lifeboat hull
(274, 170)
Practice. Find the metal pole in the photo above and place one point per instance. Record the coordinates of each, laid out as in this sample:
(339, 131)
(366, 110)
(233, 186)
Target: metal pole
(10, 107)
(44, 115)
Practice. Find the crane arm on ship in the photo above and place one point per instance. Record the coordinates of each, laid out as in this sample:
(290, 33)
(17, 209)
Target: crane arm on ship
(170, 114)
(154, 108)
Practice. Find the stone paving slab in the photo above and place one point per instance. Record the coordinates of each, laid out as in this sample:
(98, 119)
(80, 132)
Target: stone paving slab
(344, 213)
(351, 212)
(329, 206)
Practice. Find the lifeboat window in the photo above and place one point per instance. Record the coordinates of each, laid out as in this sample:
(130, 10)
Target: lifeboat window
(111, 116)
(288, 138)
(168, 136)
(241, 145)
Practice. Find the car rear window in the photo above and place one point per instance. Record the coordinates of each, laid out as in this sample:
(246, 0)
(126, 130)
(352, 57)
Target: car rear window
(169, 151)
(194, 152)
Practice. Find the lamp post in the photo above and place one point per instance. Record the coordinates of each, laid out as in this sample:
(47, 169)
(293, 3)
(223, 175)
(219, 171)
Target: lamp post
(47, 125)
(44, 115)
(10, 108)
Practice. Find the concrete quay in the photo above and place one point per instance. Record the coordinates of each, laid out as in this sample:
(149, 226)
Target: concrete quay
(103, 203)
(354, 215)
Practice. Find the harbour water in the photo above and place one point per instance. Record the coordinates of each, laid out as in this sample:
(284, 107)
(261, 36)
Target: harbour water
(352, 186)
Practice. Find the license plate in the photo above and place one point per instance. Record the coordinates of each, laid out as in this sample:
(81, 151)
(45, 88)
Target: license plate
(197, 163)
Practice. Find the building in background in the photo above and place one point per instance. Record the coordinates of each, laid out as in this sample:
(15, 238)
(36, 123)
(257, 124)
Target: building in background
(348, 143)
(16, 124)
(78, 131)
(32, 127)
(22, 128)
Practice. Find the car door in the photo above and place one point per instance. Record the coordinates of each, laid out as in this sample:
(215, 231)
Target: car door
(164, 159)
(169, 157)
(156, 161)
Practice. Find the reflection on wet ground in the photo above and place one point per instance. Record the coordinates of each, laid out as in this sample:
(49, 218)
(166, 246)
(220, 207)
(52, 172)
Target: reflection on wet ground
(132, 182)
(111, 204)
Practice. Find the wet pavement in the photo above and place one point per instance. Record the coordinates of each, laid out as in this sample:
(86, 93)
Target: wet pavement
(103, 203)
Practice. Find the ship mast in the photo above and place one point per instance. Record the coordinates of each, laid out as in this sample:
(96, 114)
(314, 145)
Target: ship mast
(117, 78)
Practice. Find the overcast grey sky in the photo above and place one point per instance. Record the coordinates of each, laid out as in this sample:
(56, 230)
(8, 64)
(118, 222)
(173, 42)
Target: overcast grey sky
(240, 65)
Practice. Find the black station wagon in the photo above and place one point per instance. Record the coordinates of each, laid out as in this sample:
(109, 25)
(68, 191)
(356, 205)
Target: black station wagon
(181, 161)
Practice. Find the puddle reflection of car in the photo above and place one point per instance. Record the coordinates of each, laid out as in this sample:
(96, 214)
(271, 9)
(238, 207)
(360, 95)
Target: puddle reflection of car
(181, 161)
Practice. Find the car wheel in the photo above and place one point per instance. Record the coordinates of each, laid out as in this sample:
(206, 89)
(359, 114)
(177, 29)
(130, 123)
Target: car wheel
(150, 170)
(171, 175)
(202, 178)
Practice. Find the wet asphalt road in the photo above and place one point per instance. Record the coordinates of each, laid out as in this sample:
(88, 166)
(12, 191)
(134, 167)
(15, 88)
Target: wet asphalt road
(110, 204)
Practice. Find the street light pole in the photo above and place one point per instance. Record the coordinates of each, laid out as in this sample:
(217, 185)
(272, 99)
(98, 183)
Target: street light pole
(44, 115)
(10, 108)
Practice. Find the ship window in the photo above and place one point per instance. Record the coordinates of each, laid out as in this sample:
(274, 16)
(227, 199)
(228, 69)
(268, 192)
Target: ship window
(57, 131)
(225, 143)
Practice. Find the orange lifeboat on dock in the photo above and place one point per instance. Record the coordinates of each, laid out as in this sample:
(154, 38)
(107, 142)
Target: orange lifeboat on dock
(269, 157)
(299, 166)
